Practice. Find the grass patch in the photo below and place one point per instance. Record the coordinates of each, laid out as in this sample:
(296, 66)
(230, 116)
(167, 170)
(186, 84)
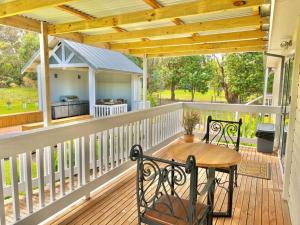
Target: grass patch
(186, 96)
(18, 97)
(7, 171)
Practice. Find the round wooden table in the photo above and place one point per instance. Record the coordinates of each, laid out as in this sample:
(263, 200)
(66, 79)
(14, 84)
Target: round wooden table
(211, 157)
(207, 155)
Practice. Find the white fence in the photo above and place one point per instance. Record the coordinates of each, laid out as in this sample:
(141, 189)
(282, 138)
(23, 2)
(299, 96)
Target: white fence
(251, 116)
(108, 110)
(72, 160)
(138, 105)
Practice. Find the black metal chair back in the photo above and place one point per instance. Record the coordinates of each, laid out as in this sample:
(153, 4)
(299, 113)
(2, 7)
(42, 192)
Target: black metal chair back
(157, 192)
(223, 132)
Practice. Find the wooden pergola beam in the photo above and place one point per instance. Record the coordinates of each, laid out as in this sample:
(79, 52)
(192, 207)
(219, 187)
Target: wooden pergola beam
(241, 22)
(23, 6)
(156, 5)
(82, 15)
(235, 36)
(75, 12)
(199, 47)
(21, 23)
(208, 52)
(168, 12)
(34, 25)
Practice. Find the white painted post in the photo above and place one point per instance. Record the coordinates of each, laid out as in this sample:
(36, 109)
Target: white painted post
(92, 90)
(45, 74)
(136, 92)
(2, 205)
(145, 72)
(39, 83)
(266, 85)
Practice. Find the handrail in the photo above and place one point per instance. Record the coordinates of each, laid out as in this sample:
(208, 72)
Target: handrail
(254, 100)
(232, 107)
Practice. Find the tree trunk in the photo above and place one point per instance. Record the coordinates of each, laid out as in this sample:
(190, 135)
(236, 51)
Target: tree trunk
(230, 97)
(193, 95)
(172, 92)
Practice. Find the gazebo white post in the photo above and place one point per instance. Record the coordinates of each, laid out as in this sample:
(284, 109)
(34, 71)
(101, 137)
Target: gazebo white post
(40, 89)
(45, 74)
(92, 90)
(266, 86)
(145, 71)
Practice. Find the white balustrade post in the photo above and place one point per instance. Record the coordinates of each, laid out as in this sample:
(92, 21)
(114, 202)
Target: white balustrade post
(266, 86)
(92, 90)
(2, 207)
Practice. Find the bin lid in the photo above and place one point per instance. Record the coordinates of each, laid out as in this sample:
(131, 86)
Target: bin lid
(266, 128)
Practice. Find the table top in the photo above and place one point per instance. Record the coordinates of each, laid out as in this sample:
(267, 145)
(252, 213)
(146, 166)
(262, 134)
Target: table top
(207, 155)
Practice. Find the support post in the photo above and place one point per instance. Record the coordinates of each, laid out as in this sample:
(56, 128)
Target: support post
(45, 74)
(266, 85)
(39, 83)
(145, 71)
(92, 90)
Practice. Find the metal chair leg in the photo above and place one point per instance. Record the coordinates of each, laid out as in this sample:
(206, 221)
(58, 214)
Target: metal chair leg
(235, 177)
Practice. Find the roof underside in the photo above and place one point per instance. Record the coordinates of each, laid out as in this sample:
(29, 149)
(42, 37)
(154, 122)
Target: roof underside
(151, 27)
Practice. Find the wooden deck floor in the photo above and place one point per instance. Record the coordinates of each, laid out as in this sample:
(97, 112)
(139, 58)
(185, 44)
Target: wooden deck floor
(256, 201)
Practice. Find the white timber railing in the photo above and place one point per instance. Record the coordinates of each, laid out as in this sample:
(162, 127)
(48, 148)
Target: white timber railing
(108, 110)
(138, 105)
(251, 116)
(269, 100)
(50, 168)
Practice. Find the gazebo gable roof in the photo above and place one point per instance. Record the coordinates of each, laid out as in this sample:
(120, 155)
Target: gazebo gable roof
(70, 54)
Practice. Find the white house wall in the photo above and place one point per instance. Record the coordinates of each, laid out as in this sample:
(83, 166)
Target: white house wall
(67, 83)
(292, 159)
(113, 85)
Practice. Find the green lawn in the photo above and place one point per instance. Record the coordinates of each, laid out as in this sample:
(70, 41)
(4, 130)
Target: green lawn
(186, 96)
(18, 98)
(7, 170)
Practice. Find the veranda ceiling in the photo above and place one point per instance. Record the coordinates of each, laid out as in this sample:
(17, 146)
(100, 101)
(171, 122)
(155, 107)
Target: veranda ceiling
(151, 27)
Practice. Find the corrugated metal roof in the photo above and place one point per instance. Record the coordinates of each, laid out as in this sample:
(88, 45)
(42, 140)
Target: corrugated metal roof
(99, 58)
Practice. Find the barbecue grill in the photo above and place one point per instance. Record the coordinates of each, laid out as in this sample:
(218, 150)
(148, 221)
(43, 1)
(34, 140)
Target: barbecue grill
(69, 105)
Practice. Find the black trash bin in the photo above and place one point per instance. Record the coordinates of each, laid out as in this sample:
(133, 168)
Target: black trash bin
(265, 134)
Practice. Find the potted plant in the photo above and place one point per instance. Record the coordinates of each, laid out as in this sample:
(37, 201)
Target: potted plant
(190, 121)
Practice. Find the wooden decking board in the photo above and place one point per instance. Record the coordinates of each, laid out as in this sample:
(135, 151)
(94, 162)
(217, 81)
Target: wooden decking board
(108, 189)
(255, 201)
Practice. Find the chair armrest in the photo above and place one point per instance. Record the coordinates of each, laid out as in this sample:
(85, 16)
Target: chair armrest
(207, 186)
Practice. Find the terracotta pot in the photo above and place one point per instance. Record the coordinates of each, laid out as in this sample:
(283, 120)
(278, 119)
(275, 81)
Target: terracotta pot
(188, 138)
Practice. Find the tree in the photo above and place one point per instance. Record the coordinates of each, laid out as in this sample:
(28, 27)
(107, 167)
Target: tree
(171, 73)
(16, 47)
(241, 75)
(196, 72)
(29, 45)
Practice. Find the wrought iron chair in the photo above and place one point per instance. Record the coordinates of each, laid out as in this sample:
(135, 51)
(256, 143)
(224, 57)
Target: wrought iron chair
(158, 184)
(226, 133)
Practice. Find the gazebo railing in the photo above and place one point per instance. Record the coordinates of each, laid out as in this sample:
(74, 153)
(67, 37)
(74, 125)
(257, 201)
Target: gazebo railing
(108, 110)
